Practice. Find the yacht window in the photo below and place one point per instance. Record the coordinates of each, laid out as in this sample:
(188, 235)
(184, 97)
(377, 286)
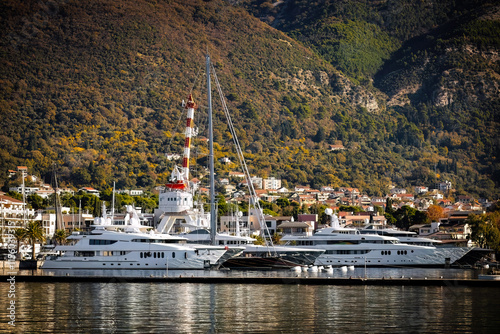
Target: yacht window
(154, 255)
(101, 242)
(141, 255)
(185, 255)
(162, 255)
(173, 255)
(84, 253)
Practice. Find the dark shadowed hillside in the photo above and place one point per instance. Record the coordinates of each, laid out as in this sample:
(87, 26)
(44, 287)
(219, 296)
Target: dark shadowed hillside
(95, 88)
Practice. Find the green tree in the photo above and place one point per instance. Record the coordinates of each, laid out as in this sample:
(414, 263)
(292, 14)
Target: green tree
(276, 238)
(390, 218)
(388, 206)
(222, 207)
(20, 235)
(34, 232)
(350, 208)
(407, 216)
(36, 201)
(483, 232)
(259, 240)
(60, 237)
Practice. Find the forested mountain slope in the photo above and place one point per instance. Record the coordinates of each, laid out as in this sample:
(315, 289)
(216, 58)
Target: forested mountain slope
(437, 61)
(95, 88)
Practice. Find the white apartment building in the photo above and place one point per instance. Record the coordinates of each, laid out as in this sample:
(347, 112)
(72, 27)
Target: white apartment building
(271, 183)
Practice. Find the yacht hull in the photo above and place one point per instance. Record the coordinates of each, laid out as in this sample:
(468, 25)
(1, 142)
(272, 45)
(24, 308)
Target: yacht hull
(397, 255)
(185, 260)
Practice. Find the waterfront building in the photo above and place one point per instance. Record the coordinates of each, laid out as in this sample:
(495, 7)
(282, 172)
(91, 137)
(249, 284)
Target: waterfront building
(13, 214)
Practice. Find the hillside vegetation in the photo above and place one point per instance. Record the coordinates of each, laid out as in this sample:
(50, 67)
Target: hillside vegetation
(95, 88)
(437, 61)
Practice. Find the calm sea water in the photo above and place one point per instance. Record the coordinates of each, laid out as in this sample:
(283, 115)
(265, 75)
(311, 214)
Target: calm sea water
(227, 308)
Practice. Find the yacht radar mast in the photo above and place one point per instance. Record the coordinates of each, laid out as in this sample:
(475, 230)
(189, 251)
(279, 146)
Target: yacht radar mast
(179, 180)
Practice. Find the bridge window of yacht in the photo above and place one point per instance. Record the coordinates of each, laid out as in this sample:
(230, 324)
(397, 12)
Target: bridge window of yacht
(345, 252)
(84, 253)
(304, 243)
(342, 242)
(101, 242)
(160, 241)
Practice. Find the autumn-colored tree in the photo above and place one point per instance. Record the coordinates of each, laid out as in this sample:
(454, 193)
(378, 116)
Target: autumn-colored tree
(434, 212)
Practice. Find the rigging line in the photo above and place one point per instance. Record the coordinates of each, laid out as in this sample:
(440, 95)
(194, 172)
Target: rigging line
(169, 144)
(241, 159)
(195, 79)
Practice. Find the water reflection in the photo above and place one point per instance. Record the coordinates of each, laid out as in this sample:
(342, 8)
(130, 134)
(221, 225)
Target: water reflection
(122, 275)
(247, 308)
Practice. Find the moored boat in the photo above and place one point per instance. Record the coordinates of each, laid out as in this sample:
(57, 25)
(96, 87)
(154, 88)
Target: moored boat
(104, 249)
(347, 246)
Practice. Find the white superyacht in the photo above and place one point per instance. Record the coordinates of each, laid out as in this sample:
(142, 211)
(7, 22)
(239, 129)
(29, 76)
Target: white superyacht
(346, 246)
(127, 247)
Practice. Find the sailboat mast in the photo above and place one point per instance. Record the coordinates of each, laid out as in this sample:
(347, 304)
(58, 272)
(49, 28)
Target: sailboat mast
(56, 205)
(113, 204)
(213, 223)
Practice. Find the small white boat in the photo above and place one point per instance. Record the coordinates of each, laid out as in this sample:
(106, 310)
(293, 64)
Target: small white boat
(327, 269)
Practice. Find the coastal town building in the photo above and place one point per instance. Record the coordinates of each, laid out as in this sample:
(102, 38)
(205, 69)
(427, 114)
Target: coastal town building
(271, 183)
(300, 228)
(398, 191)
(443, 186)
(13, 214)
(131, 192)
(90, 191)
(419, 190)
